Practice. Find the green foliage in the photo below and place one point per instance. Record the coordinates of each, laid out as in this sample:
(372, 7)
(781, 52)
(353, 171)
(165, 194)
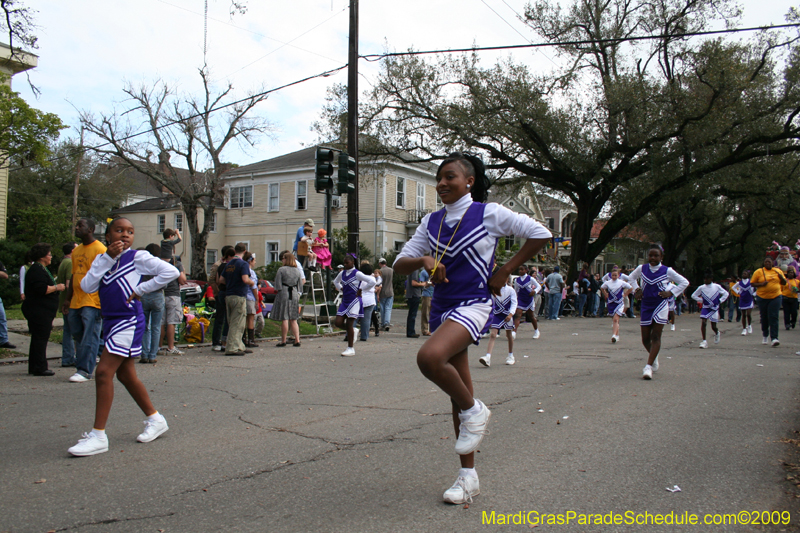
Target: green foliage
(12, 254)
(44, 223)
(338, 244)
(268, 271)
(25, 132)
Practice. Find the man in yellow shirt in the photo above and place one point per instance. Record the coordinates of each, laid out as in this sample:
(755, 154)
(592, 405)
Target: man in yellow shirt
(82, 309)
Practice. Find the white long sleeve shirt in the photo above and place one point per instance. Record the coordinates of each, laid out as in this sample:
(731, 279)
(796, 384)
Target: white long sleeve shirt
(144, 264)
(680, 282)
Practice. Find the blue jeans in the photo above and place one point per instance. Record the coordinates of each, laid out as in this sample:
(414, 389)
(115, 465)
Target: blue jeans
(366, 320)
(67, 345)
(554, 301)
(731, 306)
(219, 321)
(3, 324)
(85, 325)
(386, 310)
(153, 306)
(769, 311)
(581, 303)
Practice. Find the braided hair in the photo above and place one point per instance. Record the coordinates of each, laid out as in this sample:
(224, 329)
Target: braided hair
(472, 166)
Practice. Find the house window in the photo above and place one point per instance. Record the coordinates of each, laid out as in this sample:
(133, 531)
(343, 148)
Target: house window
(551, 223)
(300, 191)
(401, 193)
(398, 245)
(273, 250)
(211, 258)
(274, 197)
(566, 227)
(213, 226)
(162, 223)
(527, 202)
(509, 242)
(420, 196)
(439, 203)
(179, 221)
(241, 197)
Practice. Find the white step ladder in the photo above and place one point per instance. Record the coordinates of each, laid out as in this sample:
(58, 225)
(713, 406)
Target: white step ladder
(319, 303)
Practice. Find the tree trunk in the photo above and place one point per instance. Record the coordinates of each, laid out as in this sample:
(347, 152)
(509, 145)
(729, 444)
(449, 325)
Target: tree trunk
(199, 237)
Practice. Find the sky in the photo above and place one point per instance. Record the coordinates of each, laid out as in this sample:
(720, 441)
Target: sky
(90, 49)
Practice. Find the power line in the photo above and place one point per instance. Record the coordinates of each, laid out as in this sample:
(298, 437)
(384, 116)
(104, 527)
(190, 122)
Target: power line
(378, 57)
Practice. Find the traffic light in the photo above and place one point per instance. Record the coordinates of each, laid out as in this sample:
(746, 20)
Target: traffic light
(347, 174)
(323, 170)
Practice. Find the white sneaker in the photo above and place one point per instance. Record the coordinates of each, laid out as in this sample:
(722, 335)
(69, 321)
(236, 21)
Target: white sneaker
(152, 429)
(536, 334)
(703, 344)
(654, 366)
(514, 335)
(765, 340)
(776, 342)
(356, 333)
(218, 348)
(174, 351)
(510, 359)
(648, 372)
(78, 378)
(717, 336)
(472, 430)
(349, 352)
(486, 360)
(750, 329)
(162, 349)
(90, 444)
(672, 327)
(462, 490)
(744, 332)
(614, 339)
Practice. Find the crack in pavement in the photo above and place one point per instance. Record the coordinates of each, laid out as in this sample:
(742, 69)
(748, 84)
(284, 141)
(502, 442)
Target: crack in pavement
(115, 520)
(339, 445)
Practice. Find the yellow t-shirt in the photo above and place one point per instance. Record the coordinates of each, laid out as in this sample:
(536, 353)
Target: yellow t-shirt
(790, 289)
(773, 287)
(82, 259)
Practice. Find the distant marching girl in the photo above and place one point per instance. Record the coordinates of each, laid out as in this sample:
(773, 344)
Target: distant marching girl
(461, 239)
(745, 292)
(615, 291)
(502, 317)
(117, 276)
(653, 295)
(351, 309)
(672, 305)
(526, 288)
(711, 295)
(626, 278)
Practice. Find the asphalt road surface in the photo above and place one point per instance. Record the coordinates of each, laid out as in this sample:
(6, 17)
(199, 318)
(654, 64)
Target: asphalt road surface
(302, 439)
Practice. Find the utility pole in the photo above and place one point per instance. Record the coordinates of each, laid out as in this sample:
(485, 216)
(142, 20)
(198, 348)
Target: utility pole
(77, 185)
(352, 127)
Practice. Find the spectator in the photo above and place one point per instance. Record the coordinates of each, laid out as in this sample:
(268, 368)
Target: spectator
(220, 331)
(63, 277)
(250, 335)
(555, 285)
(368, 300)
(301, 233)
(413, 297)
(40, 307)
(173, 309)
(237, 283)
(4, 343)
(322, 249)
(153, 308)
(171, 238)
(286, 307)
(376, 313)
(386, 295)
(425, 304)
(82, 309)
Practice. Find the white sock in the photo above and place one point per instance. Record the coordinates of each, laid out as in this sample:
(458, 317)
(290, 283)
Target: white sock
(511, 354)
(100, 433)
(155, 417)
(474, 410)
(488, 356)
(468, 472)
(536, 330)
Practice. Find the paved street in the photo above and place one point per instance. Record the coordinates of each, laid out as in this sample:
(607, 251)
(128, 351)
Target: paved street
(301, 439)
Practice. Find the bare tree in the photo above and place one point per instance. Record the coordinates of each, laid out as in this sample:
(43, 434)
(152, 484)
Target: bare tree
(175, 127)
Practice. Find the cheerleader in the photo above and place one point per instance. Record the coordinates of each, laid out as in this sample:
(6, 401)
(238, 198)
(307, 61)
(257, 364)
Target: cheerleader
(461, 240)
(745, 292)
(672, 304)
(615, 290)
(349, 281)
(117, 277)
(526, 288)
(711, 295)
(503, 309)
(653, 295)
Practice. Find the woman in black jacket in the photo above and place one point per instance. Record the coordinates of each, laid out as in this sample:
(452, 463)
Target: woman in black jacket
(40, 307)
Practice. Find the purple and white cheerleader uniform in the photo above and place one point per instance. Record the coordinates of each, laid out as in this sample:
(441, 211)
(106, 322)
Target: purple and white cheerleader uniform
(502, 306)
(115, 279)
(712, 295)
(653, 281)
(349, 281)
(616, 295)
(474, 229)
(524, 286)
(746, 293)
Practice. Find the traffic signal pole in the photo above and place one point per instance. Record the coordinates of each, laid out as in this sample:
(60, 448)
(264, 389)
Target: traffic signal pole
(352, 128)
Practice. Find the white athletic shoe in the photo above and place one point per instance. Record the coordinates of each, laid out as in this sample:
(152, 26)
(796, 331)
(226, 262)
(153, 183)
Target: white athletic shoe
(78, 378)
(462, 490)
(672, 327)
(776, 342)
(486, 360)
(536, 334)
(703, 344)
(510, 359)
(750, 329)
(90, 444)
(152, 429)
(472, 430)
(349, 352)
(765, 340)
(648, 372)
(655, 365)
(514, 335)
(717, 336)
(744, 332)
